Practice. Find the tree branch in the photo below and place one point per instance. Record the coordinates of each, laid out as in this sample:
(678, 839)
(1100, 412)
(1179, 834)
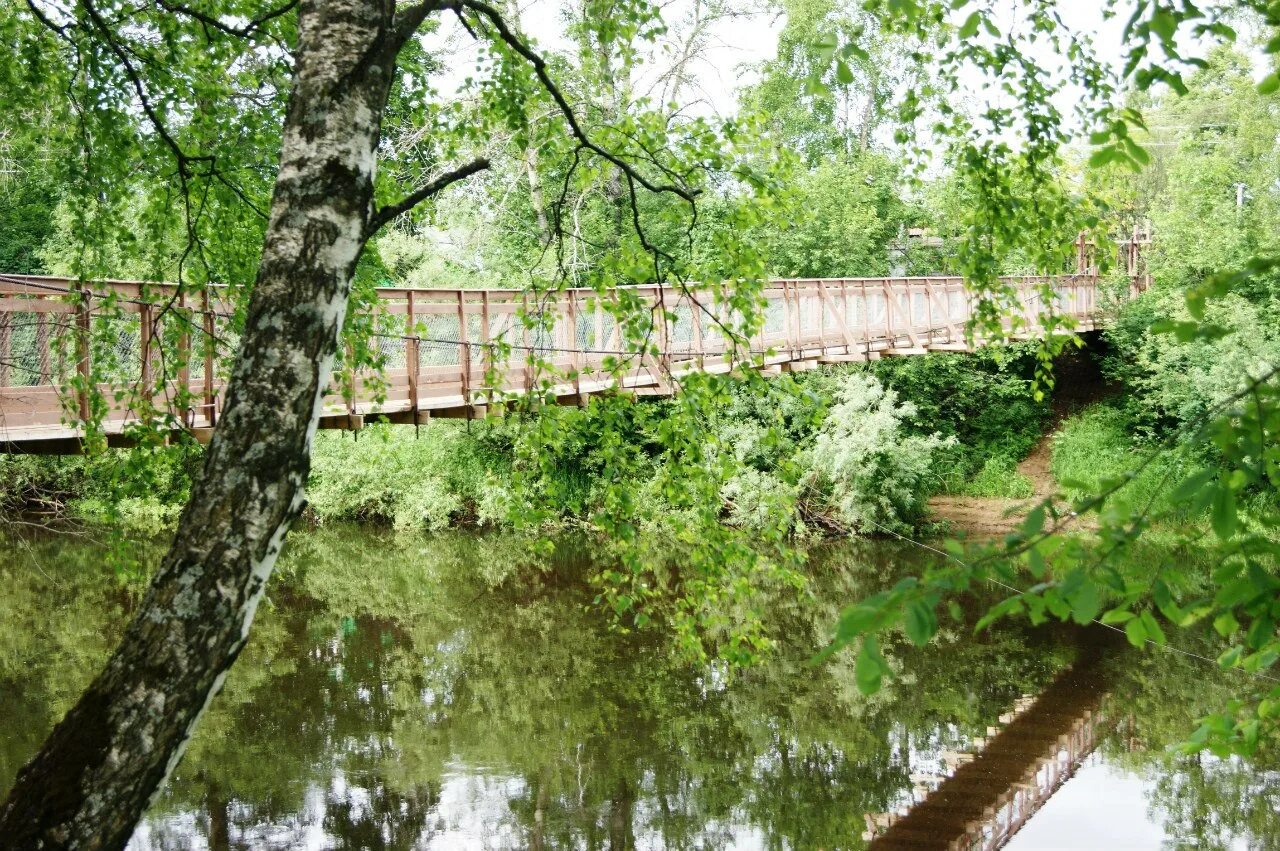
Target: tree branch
(210, 21)
(539, 65)
(406, 23)
(385, 214)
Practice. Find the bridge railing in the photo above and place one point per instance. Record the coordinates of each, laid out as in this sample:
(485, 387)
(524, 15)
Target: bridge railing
(150, 349)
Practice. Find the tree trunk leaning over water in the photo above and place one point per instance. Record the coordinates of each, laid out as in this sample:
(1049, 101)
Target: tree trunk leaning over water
(94, 776)
(98, 770)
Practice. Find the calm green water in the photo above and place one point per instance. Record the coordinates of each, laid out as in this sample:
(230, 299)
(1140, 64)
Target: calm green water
(459, 692)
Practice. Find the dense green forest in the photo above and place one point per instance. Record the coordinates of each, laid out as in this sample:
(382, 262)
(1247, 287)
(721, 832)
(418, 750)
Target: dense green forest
(846, 153)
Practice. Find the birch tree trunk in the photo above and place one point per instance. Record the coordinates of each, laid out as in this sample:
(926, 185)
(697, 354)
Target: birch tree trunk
(95, 775)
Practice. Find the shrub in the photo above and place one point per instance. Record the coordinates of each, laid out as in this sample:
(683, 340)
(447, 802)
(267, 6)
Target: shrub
(985, 400)
(874, 475)
(389, 474)
(756, 500)
(142, 489)
(1171, 383)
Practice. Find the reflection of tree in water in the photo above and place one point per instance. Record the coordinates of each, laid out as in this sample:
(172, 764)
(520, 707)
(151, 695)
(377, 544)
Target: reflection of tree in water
(1202, 800)
(393, 696)
(1207, 801)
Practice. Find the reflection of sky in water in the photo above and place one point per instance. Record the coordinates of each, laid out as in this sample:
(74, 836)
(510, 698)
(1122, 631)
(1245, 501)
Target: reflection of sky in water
(1103, 806)
(472, 815)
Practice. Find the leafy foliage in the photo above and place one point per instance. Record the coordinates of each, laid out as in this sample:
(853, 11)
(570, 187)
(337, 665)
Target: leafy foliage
(872, 471)
(1210, 472)
(986, 401)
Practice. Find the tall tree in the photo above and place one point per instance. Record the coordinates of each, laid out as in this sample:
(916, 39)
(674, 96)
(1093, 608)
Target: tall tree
(168, 65)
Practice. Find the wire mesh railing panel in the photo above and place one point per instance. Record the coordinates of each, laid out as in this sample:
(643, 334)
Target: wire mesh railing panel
(440, 340)
(919, 307)
(775, 317)
(680, 332)
(957, 307)
(809, 308)
(391, 351)
(117, 349)
(20, 350)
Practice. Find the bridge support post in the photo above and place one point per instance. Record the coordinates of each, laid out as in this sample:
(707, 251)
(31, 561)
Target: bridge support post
(6, 355)
(82, 350)
(184, 362)
(145, 333)
(411, 355)
(210, 393)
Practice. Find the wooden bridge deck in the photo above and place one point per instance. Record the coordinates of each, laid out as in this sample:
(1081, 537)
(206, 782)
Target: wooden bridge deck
(440, 348)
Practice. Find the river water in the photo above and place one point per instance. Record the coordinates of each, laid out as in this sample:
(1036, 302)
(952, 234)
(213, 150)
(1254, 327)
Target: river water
(460, 692)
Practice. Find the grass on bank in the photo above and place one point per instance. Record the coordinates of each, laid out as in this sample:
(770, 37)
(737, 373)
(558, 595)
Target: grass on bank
(998, 478)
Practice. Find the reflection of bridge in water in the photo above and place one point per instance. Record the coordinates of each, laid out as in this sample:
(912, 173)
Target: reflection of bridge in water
(994, 791)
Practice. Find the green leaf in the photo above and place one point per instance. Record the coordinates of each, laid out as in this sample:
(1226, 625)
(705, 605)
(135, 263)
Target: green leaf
(1191, 486)
(1011, 606)
(1103, 156)
(855, 621)
(920, 623)
(843, 73)
(970, 26)
(1135, 632)
(1117, 616)
(870, 668)
(1164, 24)
(1270, 84)
(1152, 628)
(1139, 153)
(826, 46)
(1034, 522)
(1084, 602)
(1224, 518)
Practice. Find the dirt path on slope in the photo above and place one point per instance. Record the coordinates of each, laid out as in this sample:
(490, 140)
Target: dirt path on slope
(1079, 384)
(990, 517)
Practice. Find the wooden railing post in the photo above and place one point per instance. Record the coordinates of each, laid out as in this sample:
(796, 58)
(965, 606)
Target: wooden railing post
(486, 356)
(351, 383)
(866, 318)
(145, 330)
(787, 320)
(571, 342)
(83, 367)
(528, 350)
(411, 354)
(184, 360)
(664, 337)
(210, 393)
(889, 309)
(6, 349)
(464, 354)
